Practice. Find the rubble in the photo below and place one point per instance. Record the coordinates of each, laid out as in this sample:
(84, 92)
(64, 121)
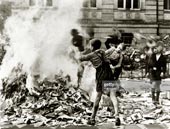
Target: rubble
(60, 104)
(57, 103)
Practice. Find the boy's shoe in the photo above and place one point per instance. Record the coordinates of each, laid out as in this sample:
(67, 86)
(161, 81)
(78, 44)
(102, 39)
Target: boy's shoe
(156, 104)
(118, 122)
(91, 122)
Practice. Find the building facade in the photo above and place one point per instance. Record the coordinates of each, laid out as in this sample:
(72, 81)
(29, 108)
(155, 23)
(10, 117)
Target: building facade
(143, 16)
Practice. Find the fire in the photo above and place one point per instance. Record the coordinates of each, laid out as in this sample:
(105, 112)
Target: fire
(39, 40)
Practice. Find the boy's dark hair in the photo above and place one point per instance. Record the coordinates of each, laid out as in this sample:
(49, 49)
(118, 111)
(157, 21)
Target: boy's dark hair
(90, 32)
(96, 44)
(74, 31)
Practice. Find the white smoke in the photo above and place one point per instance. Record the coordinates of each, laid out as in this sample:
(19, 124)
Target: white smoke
(88, 81)
(39, 39)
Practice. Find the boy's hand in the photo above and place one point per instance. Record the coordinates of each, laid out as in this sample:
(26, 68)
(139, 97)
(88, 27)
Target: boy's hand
(112, 67)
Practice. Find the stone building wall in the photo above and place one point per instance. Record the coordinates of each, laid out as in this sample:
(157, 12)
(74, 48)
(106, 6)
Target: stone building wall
(106, 15)
(143, 20)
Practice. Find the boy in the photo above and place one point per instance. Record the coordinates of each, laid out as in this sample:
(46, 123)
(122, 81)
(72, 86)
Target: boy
(78, 42)
(103, 73)
(157, 65)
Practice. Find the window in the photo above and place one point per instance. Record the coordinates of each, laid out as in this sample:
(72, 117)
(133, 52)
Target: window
(136, 4)
(129, 4)
(89, 3)
(31, 2)
(92, 3)
(85, 3)
(120, 3)
(167, 4)
(49, 3)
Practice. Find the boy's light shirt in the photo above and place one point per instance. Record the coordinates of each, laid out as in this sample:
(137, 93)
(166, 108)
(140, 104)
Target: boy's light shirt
(112, 53)
(158, 56)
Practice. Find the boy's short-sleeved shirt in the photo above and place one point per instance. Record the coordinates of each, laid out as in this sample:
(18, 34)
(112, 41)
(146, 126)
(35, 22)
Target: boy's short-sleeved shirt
(94, 57)
(112, 54)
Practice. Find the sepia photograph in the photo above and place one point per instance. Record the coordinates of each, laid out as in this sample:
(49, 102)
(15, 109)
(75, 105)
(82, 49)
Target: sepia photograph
(84, 64)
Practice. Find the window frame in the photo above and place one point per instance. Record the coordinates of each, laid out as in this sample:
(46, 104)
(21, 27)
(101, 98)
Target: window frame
(132, 3)
(44, 4)
(89, 4)
(168, 1)
(124, 5)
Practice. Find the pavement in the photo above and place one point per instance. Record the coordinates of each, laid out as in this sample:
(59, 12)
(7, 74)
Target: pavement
(103, 126)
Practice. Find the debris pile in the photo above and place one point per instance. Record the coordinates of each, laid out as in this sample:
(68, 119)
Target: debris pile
(138, 108)
(56, 103)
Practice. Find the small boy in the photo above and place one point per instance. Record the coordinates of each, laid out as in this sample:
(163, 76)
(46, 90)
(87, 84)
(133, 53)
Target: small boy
(156, 66)
(103, 73)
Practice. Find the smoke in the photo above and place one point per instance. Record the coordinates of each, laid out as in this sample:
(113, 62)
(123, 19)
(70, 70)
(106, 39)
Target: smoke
(88, 81)
(39, 39)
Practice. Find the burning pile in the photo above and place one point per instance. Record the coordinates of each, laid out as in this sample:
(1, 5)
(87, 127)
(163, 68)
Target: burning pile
(56, 102)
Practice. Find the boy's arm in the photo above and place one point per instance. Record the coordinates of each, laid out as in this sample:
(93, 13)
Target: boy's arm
(119, 63)
(86, 51)
(85, 57)
(164, 65)
(109, 51)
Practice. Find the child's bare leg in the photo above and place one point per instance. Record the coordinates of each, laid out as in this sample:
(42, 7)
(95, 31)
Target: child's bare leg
(114, 101)
(116, 105)
(96, 104)
(80, 74)
(112, 108)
